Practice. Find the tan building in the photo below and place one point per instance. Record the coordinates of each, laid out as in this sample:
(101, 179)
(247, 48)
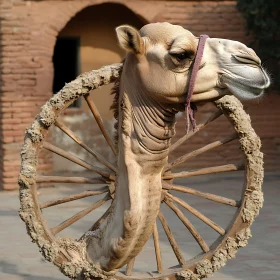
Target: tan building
(44, 44)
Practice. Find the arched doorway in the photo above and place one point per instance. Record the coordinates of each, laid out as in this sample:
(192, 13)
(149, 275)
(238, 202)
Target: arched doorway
(88, 42)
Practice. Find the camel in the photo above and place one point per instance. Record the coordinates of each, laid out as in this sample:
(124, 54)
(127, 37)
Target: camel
(151, 90)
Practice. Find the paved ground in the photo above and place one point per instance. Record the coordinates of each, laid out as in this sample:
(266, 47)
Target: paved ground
(260, 260)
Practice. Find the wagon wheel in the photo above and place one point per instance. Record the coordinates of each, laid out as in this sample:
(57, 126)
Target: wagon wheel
(69, 255)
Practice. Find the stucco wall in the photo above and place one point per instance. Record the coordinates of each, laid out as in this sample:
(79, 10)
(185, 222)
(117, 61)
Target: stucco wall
(95, 26)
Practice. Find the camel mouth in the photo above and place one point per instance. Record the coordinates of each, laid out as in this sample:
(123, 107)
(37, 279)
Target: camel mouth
(246, 81)
(210, 95)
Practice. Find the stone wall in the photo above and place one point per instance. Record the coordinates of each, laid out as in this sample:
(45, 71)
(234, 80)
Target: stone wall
(28, 31)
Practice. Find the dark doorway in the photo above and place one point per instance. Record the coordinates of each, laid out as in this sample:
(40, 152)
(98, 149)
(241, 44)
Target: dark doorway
(66, 62)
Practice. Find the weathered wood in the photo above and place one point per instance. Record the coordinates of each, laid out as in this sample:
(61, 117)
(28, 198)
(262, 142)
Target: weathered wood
(188, 224)
(70, 180)
(100, 123)
(98, 223)
(157, 249)
(79, 215)
(72, 135)
(35, 221)
(201, 150)
(199, 215)
(129, 267)
(76, 160)
(73, 197)
(213, 117)
(209, 196)
(204, 171)
(171, 239)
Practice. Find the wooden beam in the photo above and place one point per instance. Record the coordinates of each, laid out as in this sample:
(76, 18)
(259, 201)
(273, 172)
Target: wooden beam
(79, 215)
(204, 171)
(129, 267)
(157, 249)
(209, 196)
(100, 123)
(201, 150)
(73, 197)
(188, 224)
(171, 239)
(69, 180)
(72, 135)
(191, 134)
(199, 215)
(76, 160)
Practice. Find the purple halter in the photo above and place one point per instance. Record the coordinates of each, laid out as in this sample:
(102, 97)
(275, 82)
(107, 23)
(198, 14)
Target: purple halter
(190, 107)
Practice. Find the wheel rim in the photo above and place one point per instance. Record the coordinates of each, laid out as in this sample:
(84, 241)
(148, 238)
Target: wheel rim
(69, 255)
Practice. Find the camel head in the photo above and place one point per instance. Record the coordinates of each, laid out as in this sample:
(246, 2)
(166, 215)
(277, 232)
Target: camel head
(161, 55)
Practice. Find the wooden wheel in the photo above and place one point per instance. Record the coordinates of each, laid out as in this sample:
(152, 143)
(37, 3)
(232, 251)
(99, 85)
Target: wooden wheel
(69, 255)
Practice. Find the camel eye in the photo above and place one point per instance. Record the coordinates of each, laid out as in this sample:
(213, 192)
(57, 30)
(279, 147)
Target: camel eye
(182, 56)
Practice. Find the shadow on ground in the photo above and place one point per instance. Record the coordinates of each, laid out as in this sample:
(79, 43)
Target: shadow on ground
(9, 269)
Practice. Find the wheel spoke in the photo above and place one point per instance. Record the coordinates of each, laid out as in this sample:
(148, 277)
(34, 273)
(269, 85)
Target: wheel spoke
(79, 215)
(201, 150)
(129, 267)
(98, 223)
(157, 249)
(71, 180)
(204, 171)
(73, 197)
(199, 127)
(76, 160)
(171, 239)
(188, 224)
(100, 123)
(72, 135)
(199, 215)
(213, 197)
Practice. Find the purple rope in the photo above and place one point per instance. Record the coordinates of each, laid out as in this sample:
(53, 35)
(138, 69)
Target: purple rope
(190, 108)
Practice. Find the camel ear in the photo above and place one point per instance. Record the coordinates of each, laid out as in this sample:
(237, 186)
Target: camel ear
(130, 39)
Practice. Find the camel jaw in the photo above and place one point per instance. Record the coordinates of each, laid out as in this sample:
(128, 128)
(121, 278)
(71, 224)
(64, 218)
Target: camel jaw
(210, 95)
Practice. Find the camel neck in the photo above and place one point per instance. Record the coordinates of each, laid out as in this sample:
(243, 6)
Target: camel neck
(148, 124)
(144, 134)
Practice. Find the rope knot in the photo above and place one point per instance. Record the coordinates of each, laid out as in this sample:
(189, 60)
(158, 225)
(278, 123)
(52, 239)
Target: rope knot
(190, 107)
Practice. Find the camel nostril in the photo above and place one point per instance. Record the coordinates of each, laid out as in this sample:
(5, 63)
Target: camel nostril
(248, 58)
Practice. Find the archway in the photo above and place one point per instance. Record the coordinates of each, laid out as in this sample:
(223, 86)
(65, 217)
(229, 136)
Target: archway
(88, 42)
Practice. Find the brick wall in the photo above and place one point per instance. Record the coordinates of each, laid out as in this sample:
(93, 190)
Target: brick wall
(220, 19)
(28, 35)
(265, 120)
(26, 78)
(28, 31)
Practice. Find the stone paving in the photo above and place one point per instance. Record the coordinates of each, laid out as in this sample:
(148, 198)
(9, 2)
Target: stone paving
(260, 260)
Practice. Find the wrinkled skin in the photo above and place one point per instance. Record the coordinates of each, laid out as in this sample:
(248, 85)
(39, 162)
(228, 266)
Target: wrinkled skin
(153, 89)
